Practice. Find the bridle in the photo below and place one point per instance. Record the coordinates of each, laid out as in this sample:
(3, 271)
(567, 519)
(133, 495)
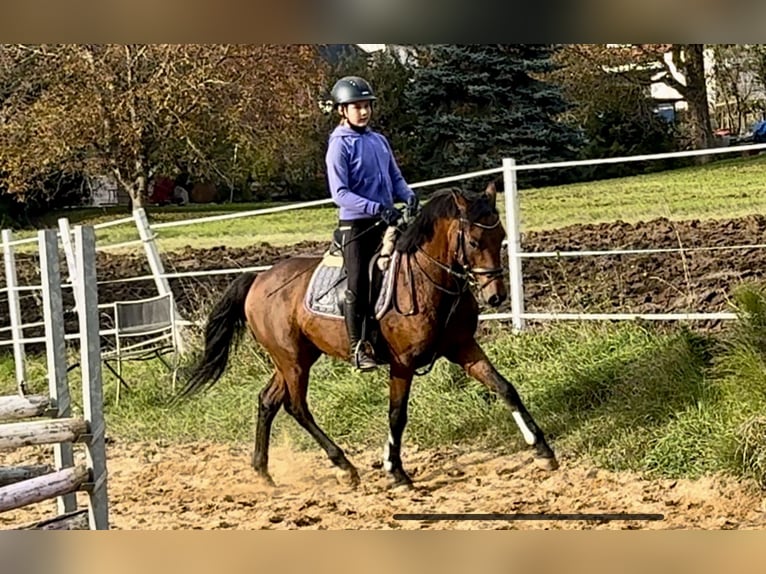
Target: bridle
(467, 275)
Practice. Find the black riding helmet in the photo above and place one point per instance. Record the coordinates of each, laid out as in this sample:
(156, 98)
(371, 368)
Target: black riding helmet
(351, 89)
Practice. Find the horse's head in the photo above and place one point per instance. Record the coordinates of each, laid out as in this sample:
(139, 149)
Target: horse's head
(478, 238)
(461, 233)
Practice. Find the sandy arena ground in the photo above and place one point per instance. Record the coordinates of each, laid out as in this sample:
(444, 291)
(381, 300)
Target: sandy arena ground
(211, 486)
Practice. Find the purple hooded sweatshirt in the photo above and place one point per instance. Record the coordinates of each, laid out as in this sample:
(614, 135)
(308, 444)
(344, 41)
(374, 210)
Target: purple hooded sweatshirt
(362, 173)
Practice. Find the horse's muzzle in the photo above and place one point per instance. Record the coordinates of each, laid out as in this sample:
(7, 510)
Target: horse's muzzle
(496, 299)
(491, 284)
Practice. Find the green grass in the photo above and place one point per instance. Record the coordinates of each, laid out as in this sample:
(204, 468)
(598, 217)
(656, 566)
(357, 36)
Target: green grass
(726, 188)
(663, 401)
(723, 189)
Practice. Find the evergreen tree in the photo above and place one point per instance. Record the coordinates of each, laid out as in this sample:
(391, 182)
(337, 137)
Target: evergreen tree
(389, 75)
(472, 105)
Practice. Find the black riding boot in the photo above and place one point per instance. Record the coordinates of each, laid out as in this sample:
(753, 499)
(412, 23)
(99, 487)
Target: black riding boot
(361, 352)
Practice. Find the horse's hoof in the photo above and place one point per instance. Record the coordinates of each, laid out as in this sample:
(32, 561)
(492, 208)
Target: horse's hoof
(264, 478)
(547, 463)
(347, 476)
(400, 482)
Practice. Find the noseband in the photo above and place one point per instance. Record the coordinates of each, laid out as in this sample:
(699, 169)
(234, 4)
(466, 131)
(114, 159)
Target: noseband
(471, 273)
(466, 275)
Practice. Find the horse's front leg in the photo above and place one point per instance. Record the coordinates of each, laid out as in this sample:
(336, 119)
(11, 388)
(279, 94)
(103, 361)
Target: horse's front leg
(475, 362)
(398, 395)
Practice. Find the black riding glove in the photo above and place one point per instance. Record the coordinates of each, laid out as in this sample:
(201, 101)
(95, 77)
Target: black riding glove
(390, 215)
(412, 206)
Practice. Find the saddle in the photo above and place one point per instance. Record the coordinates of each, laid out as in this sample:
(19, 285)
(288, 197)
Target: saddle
(327, 285)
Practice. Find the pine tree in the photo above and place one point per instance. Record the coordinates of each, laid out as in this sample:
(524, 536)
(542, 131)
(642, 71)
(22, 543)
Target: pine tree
(472, 105)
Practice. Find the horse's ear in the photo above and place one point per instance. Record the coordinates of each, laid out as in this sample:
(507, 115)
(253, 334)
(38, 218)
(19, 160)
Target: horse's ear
(460, 201)
(491, 193)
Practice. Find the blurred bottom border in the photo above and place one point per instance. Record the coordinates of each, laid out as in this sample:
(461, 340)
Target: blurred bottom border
(319, 552)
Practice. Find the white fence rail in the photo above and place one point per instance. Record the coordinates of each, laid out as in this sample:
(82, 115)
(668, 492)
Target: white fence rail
(148, 234)
(509, 169)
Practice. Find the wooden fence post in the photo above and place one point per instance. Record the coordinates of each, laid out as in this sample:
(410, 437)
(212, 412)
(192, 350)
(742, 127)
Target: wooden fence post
(90, 366)
(55, 347)
(158, 271)
(14, 310)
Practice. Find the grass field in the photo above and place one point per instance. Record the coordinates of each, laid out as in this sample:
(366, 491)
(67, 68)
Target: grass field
(726, 188)
(662, 400)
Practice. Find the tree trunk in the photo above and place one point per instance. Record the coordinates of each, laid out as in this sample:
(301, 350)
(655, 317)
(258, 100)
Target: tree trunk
(696, 96)
(42, 488)
(16, 435)
(16, 407)
(136, 188)
(137, 199)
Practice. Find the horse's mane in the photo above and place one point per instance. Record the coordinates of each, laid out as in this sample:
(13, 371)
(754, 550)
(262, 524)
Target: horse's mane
(441, 205)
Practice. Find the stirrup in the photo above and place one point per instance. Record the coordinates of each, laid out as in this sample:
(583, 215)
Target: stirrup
(367, 363)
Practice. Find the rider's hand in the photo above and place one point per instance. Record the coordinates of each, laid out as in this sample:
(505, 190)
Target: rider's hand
(390, 215)
(412, 206)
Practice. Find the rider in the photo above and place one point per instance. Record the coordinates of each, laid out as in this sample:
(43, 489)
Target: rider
(364, 181)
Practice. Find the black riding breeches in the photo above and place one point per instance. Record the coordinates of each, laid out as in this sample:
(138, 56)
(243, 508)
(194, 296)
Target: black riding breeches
(360, 239)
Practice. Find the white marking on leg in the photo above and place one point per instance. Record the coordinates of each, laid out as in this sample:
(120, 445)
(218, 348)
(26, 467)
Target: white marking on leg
(529, 437)
(387, 464)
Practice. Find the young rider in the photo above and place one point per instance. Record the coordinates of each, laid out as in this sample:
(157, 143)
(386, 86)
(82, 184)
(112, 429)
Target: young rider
(364, 181)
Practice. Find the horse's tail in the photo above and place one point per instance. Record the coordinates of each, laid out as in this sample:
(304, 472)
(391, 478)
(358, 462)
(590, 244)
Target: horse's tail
(223, 330)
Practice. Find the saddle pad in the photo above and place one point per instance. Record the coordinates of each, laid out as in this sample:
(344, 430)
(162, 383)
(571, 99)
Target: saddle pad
(327, 283)
(330, 259)
(387, 288)
(324, 295)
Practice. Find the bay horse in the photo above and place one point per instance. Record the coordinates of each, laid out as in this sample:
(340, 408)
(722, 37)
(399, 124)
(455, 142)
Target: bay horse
(452, 244)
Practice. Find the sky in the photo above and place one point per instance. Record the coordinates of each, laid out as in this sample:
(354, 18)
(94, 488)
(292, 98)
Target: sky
(371, 47)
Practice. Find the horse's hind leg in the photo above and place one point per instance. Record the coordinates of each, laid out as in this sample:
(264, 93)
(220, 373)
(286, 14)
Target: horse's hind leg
(297, 380)
(270, 400)
(472, 358)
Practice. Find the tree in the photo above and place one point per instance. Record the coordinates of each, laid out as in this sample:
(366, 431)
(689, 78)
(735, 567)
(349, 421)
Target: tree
(219, 111)
(624, 60)
(612, 104)
(472, 105)
(689, 60)
(390, 75)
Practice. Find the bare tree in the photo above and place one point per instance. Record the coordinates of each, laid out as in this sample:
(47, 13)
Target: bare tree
(135, 110)
(738, 85)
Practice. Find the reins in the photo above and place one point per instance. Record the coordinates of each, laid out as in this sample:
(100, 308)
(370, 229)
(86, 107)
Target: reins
(464, 278)
(300, 273)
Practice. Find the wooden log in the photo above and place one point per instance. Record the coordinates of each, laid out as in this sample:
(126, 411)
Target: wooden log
(42, 487)
(15, 435)
(77, 520)
(19, 473)
(18, 407)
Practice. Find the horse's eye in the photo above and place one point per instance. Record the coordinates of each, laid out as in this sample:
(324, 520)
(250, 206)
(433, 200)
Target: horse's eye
(473, 243)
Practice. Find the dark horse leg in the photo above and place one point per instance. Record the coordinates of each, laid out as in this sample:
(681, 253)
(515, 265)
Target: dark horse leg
(473, 360)
(296, 376)
(399, 392)
(270, 401)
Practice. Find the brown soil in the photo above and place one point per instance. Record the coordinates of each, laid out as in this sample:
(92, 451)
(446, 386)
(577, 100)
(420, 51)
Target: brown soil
(695, 281)
(209, 486)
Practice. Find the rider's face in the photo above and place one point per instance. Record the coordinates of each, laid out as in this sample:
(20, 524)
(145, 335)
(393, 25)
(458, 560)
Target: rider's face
(358, 113)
